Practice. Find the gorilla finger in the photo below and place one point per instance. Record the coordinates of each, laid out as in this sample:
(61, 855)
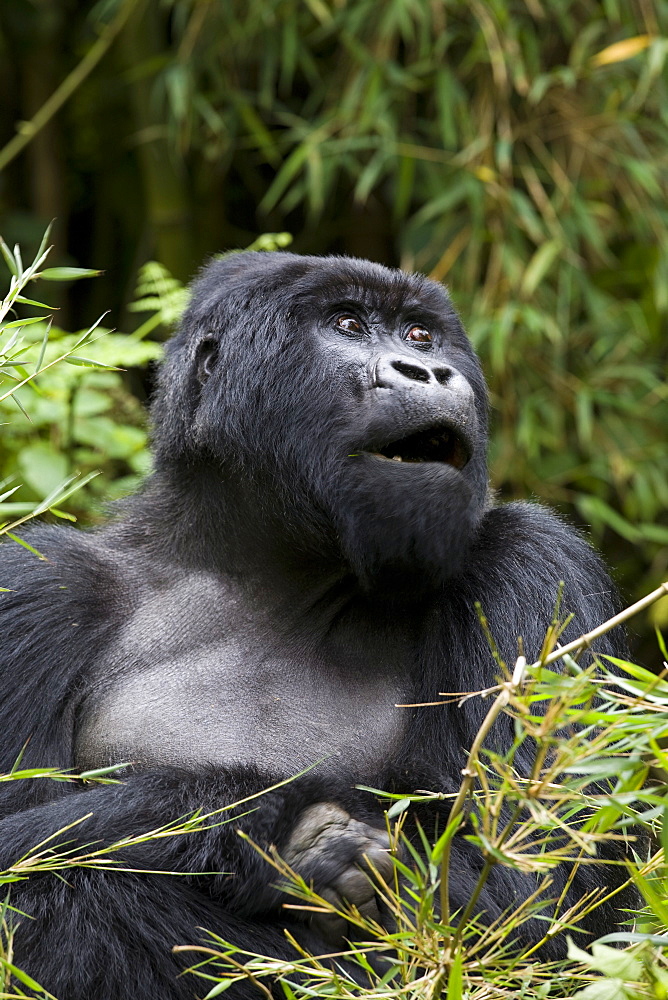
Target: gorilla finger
(331, 926)
(370, 910)
(373, 834)
(318, 824)
(379, 860)
(355, 886)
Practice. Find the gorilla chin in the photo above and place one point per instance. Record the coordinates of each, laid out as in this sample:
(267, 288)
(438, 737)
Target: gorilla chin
(408, 526)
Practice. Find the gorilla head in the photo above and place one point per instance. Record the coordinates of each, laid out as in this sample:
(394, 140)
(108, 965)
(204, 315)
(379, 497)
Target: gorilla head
(328, 409)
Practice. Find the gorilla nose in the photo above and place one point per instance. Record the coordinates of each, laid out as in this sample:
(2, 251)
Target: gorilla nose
(392, 373)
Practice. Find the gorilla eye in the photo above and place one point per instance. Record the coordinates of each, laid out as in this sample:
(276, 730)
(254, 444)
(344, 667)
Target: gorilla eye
(419, 335)
(348, 324)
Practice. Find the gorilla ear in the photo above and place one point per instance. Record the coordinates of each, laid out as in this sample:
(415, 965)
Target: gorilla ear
(207, 357)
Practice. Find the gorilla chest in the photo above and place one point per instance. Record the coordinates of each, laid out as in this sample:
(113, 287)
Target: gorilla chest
(217, 686)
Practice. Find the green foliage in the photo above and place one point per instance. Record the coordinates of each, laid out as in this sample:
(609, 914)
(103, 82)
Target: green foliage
(77, 415)
(79, 418)
(31, 352)
(159, 294)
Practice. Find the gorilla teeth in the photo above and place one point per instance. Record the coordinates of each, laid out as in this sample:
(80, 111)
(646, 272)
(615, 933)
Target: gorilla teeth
(397, 458)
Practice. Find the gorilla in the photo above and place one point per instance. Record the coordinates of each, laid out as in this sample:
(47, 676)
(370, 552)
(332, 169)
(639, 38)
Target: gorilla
(304, 559)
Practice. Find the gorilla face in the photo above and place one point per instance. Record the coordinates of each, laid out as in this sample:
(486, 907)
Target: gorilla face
(345, 402)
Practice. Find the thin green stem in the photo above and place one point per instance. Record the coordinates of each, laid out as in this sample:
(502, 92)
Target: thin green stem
(28, 130)
(586, 640)
(469, 773)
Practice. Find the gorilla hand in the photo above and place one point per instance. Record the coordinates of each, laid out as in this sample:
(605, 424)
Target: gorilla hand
(336, 855)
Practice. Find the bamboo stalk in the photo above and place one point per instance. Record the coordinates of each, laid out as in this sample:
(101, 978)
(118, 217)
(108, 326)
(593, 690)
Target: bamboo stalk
(28, 130)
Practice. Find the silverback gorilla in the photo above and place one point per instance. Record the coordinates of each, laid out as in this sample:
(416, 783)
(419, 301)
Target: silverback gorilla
(306, 555)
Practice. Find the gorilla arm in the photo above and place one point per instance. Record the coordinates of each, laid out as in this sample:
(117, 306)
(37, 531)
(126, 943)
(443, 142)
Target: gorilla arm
(326, 848)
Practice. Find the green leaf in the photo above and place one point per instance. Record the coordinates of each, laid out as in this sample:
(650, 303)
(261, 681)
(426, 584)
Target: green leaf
(23, 977)
(219, 988)
(655, 900)
(33, 302)
(616, 965)
(42, 467)
(43, 252)
(370, 175)
(662, 643)
(629, 937)
(118, 351)
(42, 349)
(22, 322)
(23, 543)
(653, 533)
(283, 178)
(602, 767)
(646, 677)
(604, 989)
(100, 772)
(598, 512)
(270, 242)
(77, 361)
(664, 833)
(63, 514)
(8, 493)
(613, 962)
(539, 265)
(455, 979)
(258, 132)
(444, 839)
(398, 807)
(9, 257)
(65, 489)
(67, 273)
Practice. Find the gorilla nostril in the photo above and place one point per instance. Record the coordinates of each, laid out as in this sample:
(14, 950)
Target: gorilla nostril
(415, 372)
(442, 375)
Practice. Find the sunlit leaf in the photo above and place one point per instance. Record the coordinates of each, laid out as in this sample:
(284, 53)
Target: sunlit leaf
(455, 979)
(619, 51)
(539, 265)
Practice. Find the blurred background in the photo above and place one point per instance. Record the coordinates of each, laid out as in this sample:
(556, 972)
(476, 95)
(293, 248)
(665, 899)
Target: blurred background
(515, 149)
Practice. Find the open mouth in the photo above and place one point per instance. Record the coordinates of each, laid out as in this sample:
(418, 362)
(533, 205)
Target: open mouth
(441, 445)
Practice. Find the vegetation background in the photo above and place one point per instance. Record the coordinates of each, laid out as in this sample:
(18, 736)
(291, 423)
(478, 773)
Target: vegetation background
(516, 149)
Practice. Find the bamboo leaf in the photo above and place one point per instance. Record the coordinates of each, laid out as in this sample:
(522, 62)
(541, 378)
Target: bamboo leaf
(22, 322)
(9, 257)
(539, 265)
(33, 302)
(75, 359)
(67, 273)
(619, 51)
(286, 174)
(455, 978)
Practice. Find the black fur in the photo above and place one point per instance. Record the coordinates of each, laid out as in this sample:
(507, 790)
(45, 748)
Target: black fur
(275, 570)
